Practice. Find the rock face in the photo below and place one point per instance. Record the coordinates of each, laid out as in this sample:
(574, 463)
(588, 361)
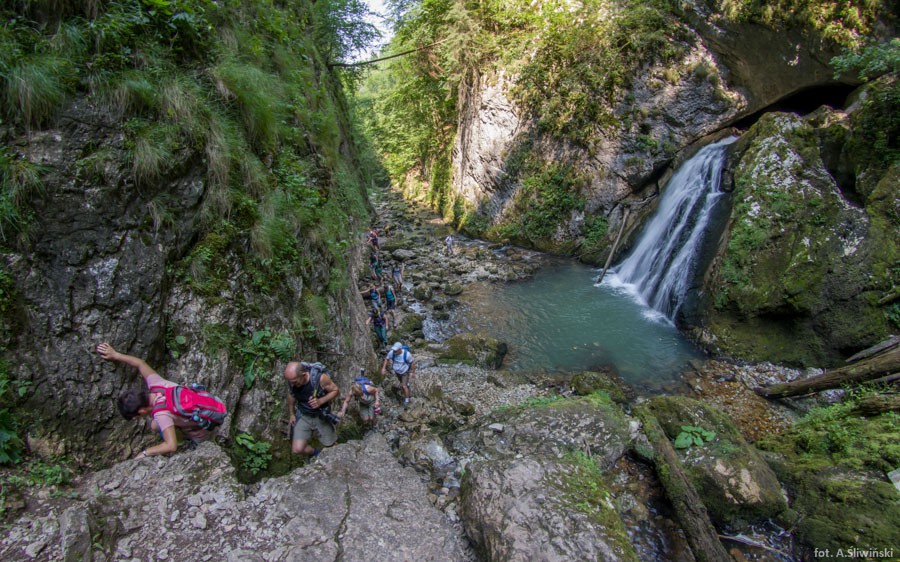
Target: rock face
(99, 268)
(729, 70)
(806, 254)
(735, 483)
(355, 503)
(532, 497)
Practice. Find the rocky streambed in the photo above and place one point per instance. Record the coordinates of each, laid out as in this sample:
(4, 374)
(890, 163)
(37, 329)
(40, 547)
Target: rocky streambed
(485, 464)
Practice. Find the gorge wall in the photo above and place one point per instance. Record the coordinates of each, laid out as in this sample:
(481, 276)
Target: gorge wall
(506, 164)
(197, 201)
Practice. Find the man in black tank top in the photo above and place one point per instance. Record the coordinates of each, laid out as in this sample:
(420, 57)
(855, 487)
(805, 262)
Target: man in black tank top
(310, 390)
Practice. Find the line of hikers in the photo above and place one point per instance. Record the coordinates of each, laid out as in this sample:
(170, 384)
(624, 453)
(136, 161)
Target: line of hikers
(196, 413)
(311, 393)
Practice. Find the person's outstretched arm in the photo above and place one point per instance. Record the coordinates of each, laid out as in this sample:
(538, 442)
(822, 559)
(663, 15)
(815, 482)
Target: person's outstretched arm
(345, 404)
(109, 353)
(169, 445)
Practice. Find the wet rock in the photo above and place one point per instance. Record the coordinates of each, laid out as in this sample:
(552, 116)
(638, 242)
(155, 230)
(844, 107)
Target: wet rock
(423, 292)
(588, 382)
(474, 349)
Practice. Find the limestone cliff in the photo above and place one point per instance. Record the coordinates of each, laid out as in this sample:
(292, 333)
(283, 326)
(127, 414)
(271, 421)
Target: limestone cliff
(541, 188)
(191, 210)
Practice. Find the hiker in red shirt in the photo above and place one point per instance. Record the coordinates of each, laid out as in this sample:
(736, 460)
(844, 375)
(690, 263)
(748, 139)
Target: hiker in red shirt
(151, 402)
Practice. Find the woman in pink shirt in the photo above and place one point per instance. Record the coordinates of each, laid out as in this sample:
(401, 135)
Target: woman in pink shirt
(133, 403)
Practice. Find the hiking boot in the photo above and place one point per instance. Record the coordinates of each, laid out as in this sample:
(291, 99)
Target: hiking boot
(405, 403)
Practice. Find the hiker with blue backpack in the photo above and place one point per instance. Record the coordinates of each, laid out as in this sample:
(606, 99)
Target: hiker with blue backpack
(397, 276)
(379, 324)
(390, 301)
(310, 393)
(403, 365)
(367, 398)
(375, 267)
(188, 409)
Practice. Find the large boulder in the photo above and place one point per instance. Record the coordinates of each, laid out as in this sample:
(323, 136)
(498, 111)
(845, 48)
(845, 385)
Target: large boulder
(528, 509)
(474, 349)
(354, 502)
(551, 427)
(607, 380)
(735, 483)
(536, 490)
(807, 258)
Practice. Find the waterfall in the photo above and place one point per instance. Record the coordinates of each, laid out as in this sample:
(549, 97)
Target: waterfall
(661, 265)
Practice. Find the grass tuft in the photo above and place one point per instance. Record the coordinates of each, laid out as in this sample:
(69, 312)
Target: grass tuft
(257, 96)
(35, 88)
(151, 152)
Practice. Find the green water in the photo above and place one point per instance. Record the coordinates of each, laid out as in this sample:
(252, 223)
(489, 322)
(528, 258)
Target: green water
(559, 321)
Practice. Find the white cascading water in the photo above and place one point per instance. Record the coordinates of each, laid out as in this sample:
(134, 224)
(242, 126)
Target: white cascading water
(660, 266)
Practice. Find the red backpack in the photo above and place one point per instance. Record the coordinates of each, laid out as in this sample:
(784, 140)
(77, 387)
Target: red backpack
(192, 403)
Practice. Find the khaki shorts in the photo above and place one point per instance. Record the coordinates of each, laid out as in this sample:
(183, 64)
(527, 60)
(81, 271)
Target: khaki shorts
(367, 411)
(306, 426)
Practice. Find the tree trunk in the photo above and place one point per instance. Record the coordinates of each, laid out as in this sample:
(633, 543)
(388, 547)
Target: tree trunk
(868, 369)
(689, 508)
(615, 245)
(878, 404)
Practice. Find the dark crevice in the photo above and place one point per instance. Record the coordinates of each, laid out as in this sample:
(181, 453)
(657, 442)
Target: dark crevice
(803, 101)
(342, 527)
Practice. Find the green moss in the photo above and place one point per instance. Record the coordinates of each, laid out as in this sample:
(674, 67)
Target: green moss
(583, 488)
(826, 460)
(589, 383)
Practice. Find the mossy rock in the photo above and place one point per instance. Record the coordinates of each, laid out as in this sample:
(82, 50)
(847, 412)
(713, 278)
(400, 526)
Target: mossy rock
(833, 467)
(538, 509)
(453, 289)
(423, 292)
(734, 481)
(589, 382)
(393, 243)
(840, 508)
(805, 267)
(409, 326)
(474, 349)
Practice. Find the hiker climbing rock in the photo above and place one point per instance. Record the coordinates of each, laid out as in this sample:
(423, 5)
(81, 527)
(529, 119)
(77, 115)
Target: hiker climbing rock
(379, 324)
(390, 303)
(367, 398)
(403, 365)
(449, 242)
(375, 267)
(373, 240)
(374, 295)
(310, 392)
(397, 277)
(174, 408)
